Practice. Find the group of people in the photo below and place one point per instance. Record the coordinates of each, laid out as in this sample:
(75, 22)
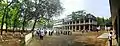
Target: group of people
(41, 33)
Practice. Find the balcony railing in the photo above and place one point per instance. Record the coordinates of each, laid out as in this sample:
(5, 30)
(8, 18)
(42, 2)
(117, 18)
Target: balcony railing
(80, 24)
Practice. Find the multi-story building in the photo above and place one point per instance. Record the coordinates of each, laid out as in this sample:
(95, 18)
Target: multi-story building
(58, 24)
(88, 23)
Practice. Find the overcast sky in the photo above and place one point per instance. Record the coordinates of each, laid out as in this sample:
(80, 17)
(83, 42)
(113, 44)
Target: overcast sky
(96, 7)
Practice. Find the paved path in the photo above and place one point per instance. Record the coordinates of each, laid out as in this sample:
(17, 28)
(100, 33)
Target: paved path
(104, 35)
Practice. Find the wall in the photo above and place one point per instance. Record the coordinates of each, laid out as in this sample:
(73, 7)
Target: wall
(28, 38)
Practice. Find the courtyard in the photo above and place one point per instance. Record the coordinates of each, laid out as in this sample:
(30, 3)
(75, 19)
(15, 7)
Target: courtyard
(76, 39)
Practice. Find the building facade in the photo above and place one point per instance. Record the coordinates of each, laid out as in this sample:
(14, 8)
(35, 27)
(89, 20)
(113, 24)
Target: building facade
(58, 24)
(115, 13)
(89, 23)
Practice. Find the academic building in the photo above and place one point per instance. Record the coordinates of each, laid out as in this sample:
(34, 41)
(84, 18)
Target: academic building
(87, 23)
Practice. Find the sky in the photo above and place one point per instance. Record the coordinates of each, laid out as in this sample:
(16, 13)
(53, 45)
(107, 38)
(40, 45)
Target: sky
(99, 8)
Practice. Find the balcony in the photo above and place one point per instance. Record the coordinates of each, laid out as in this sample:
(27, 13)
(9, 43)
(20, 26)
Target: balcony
(95, 23)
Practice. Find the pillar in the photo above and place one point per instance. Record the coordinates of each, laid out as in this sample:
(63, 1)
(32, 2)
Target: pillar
(69, 26)
(89, 25)
(106, 28)
(79, 26)
(75, 26)
(84, 24)
(65, 28)
(62, 27)
(92, 27)
(72, 25)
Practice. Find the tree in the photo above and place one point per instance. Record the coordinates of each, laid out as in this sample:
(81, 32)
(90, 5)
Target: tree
(104, 22)
(78, 15)
(11, 14)
(17, 13)
(108, 22)
(6, 7)
(42, 9)
(100, 21)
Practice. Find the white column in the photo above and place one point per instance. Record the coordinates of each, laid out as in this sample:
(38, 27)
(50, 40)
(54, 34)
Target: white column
(106, 28)
(62, 27)
(79, 22)
(79, 26)
(72, 25)
(75, 25)
(92, 23)
(84, 25)
(65, 27)
(69, 26)
(89, 24)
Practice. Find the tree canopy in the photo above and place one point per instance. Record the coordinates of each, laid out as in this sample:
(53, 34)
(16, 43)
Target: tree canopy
(18, 13)
(104, 22)
(80, 15)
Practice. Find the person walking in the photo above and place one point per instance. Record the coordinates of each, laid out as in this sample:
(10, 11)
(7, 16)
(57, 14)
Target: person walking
(110, 39)
(45, 31)
(49, 33)
(42, 34)
(52, 33)
(37, 32)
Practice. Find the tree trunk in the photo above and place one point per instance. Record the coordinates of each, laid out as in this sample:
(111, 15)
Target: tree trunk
(10, 26)
(2, 24)
(3, 17)
(14, 27)
(6, 22)
(6, 28)
(19, 28)
(34, 25)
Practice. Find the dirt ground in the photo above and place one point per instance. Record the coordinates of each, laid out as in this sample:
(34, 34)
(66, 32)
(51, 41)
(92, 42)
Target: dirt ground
(10, 39)
(91, 39)
(76, 39)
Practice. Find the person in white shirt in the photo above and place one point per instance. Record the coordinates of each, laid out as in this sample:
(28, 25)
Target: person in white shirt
(42, 34)
(110, 38)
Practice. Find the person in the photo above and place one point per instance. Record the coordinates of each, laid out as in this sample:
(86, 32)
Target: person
(98, 28)
(110, 38)
(49, 33)
(37, 31)
(41, 34)
(68, 32)
(45, 32)
(52, 33)
(61, 32)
